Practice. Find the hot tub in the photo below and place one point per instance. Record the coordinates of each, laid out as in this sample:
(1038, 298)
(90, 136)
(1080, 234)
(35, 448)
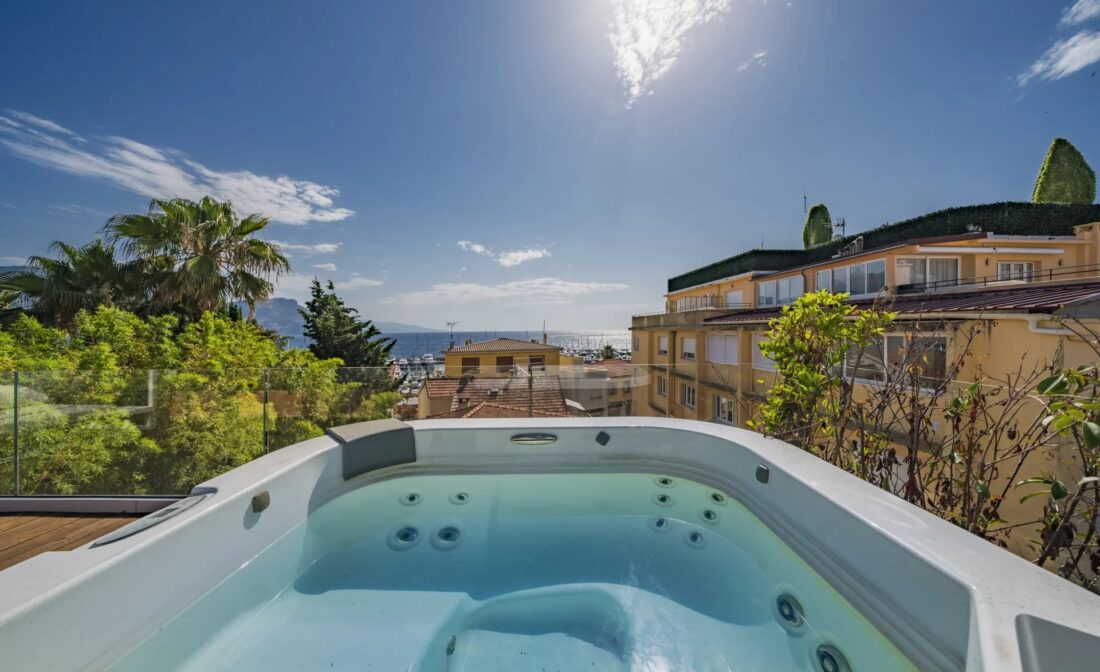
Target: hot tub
(590, 544)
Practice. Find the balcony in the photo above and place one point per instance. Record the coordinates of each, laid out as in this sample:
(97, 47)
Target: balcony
(688, 310)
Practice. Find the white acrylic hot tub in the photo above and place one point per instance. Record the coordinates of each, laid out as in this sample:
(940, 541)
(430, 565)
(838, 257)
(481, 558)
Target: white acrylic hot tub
(602, 543)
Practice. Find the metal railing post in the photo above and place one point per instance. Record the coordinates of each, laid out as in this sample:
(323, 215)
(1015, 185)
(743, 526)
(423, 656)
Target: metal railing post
(15, 432)
(267, 398)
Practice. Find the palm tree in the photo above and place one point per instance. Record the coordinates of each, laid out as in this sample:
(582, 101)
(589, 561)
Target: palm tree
(204, 256)
(80, 278)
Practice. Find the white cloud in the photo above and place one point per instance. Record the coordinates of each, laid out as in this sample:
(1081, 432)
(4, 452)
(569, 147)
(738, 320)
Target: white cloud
(19, 261)
(1079, 12)
(293, 285)
(318, 248)
(155, 173)
(537, 289)
(325, 267)
(357, 281)
(1064, 58)
(505, 259)
(517, 257)
(757, 58)
(647, 36)
(476, 248)
(43, 124)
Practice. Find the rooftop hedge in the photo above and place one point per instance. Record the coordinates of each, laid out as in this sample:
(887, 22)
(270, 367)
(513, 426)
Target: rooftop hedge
(1008, 218)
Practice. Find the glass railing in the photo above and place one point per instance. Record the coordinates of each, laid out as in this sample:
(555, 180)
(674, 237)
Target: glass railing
(161, 432)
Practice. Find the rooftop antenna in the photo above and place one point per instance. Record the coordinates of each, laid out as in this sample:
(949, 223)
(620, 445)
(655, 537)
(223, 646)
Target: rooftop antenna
(452, 327)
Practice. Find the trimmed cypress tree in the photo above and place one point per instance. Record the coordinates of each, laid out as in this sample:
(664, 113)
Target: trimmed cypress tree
(818, 228)
(1065, 176)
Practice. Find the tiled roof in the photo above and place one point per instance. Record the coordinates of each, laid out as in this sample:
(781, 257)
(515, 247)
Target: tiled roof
(503, 345)
(616, 368)
(545, 392)
(488, 410)
(1035, 298)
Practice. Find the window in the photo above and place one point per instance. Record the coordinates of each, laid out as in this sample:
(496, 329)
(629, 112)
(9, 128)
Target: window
(943, 272)
(723, 409)
(910, 272)
(471, 366)
(626, 386)
(662, 386)
(857, 279)
(687, 395)
(759, 359)
(687, 348)
(735, 299)
(932, 272)
(840, 279)
(636, 343)
(779, 292)
(505, 363)
(876, 275)
(722, 349)
(662, 345)
(537, 362)
(765, 294)
(1016, 270)
(925, 355)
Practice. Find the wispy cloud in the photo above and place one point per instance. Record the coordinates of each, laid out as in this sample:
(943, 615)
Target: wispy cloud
(74, 209)
(1079, 12)
(14, 260)
(357, 281)
(505, 259)
(317, 248)
(157, 173)
(647, 36)
(757, 58)
(7, 205)
(296, 285)
(1064, 58)
(537, 289)
(325, 267)
(476, 248)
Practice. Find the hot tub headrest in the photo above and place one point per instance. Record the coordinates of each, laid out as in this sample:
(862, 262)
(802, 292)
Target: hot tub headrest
(373, 445)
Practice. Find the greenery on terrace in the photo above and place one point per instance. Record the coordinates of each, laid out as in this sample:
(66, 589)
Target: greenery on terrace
(1009, 218)
(138, 375)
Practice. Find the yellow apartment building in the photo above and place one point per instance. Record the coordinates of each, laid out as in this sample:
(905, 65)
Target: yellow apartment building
(500, 357)
(1013, 268)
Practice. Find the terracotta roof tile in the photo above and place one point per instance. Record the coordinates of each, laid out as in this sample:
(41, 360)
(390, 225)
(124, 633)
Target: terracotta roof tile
(503, 345)
(546, 392)
(489, 410)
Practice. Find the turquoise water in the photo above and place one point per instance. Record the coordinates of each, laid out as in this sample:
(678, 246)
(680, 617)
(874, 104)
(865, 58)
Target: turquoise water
(518, 573)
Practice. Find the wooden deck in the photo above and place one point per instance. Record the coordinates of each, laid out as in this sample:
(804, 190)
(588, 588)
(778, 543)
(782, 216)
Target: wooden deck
(26, 535)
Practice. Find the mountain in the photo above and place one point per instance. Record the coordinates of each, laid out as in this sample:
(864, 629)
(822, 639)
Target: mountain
(281, 315)
(399, 328)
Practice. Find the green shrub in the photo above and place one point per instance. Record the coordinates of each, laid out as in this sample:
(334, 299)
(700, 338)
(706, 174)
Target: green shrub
(1065, 176)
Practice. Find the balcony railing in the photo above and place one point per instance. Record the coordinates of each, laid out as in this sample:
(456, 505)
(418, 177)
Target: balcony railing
(1059, 273)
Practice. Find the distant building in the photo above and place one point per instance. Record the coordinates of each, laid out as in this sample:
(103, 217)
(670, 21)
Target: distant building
(446, 397)
(500, 357)
(600, 388)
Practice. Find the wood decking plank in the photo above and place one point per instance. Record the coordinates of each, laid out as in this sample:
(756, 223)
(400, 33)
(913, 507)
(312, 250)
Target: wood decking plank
(20, 540)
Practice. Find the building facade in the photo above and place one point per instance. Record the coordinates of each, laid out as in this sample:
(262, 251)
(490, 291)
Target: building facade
(1013, 269)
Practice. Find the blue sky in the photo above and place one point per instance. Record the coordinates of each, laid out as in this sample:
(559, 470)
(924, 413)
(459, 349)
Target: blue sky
(502, 163)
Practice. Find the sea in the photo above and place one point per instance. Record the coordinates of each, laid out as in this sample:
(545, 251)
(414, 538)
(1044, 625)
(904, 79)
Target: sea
(417, 344)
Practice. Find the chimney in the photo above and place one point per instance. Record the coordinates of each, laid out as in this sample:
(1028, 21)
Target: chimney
(469, 342)
(544, 339)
